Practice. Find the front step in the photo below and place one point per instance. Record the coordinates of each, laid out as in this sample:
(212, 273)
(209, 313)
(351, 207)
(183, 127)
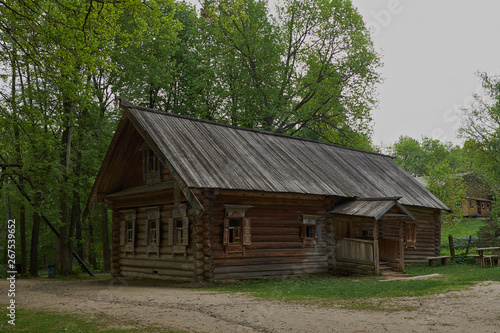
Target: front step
(385, 269)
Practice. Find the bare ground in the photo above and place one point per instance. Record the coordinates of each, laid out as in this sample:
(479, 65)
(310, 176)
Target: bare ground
(192, 310)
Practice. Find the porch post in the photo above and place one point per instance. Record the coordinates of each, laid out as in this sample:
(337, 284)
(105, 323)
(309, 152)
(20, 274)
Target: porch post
(401, 247)
(376, 261)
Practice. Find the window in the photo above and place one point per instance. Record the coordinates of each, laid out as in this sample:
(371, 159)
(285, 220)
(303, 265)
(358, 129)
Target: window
(482, 205)
(128, 230)
(151, 165)
(153, 225)
(310, 229)
(236, 229)
(471, 204)
(178, 229)
(410, 235)
(153, 232)
(181, 234)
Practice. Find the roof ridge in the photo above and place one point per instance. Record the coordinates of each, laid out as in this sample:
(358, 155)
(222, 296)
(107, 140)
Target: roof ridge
(124, 103)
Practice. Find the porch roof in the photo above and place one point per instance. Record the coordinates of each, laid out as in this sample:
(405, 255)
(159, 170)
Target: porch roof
(373, 208)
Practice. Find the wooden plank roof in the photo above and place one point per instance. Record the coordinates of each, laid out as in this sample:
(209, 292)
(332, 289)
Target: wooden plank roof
(371, 208)
(211, 155)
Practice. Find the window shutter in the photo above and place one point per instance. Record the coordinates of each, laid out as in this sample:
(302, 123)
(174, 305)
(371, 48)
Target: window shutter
(158, 231)
(170, 241)
(148, 235)
(185, 231)
(247, 233)
(225, 240)
(123, 231)
(317, 233)
(411, 240)
(133, 233)
(303, 231)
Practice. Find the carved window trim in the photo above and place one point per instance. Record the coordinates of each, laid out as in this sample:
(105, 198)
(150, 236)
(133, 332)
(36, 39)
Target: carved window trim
(237, 229)
(128, 230)
(153, 230)
(310, 229)
(178, 230)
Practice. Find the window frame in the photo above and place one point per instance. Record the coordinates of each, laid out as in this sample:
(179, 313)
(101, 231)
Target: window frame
(310, 229)
(128, 230)
(151, 166)
(153, 243)
(236, 213)
(176, 245)
(410, 235)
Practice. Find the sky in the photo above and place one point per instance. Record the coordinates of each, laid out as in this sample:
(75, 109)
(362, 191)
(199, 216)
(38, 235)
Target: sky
(431, 50)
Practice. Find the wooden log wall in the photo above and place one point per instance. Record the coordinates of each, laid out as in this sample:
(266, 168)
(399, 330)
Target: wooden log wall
(276, 248)
(174, 262)
(428, 235)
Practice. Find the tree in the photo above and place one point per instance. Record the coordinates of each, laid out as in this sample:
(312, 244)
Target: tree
(311, 71)
(481, 129)
(439, 164)
(57, 52)
(143, 53)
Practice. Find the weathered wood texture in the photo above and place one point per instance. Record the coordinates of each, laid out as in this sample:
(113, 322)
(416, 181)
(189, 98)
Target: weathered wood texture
(276, 247)
(175, 262)
(358, 250)
(351, 267)
(428, 235)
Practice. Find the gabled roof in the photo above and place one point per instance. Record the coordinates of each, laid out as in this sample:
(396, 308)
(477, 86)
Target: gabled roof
(373, 208)
(210, 155)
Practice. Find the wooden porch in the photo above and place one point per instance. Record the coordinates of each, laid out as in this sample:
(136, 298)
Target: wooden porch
(370, 238)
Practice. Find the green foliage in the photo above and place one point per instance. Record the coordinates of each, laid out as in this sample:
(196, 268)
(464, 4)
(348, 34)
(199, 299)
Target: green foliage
(481, 129)
(461, 230)
(309, 71)
(446, 184)
(439, 164)
(491, 229)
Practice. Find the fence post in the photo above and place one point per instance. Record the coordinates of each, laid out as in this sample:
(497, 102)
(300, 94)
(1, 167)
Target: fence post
(468, 245)
(452, 248)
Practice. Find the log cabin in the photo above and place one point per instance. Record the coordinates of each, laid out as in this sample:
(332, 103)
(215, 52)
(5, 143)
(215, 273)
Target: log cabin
(194, 200)
(478, 199)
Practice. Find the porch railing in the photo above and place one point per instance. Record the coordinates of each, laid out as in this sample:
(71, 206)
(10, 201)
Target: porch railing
(352, 249)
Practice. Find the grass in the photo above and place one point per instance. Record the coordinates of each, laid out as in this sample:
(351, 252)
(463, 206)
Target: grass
(29, 320)
(460, 230)
(331, 289)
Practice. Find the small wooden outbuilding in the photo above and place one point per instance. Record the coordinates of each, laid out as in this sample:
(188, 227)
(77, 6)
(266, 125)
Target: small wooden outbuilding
(478, 199)
(194, 200)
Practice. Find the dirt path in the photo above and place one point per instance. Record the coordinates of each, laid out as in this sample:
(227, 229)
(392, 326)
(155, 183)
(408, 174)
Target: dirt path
(475, 310)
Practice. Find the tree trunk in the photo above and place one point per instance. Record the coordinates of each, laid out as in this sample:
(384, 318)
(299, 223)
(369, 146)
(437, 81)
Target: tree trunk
(5, 247)
(106, 250)
(75, 216)
(22, 232)
(35, 234)
(92, 257)
(75, 208)
(65, 249)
